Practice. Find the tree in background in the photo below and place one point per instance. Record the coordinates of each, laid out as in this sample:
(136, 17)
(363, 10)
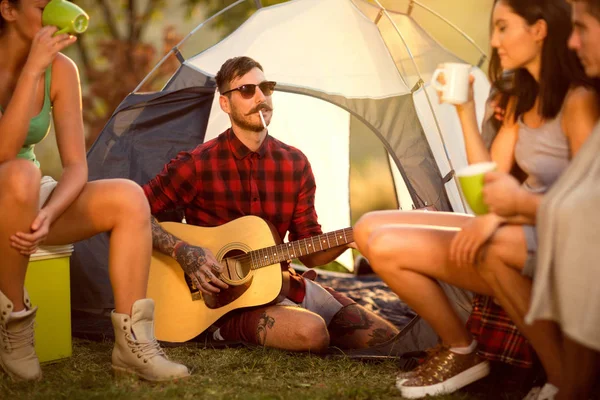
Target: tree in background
(115, 58)
(234, 17)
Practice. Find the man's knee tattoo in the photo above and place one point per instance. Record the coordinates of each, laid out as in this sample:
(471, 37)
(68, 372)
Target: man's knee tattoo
(265, 322)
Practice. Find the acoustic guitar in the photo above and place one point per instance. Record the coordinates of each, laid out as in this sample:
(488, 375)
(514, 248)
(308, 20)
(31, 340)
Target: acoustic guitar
(251, 253)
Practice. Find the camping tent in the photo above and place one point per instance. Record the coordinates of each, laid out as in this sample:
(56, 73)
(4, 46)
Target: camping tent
(332, 59)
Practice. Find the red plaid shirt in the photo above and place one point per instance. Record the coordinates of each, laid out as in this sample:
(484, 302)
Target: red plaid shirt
(222, 180)
(497, 336)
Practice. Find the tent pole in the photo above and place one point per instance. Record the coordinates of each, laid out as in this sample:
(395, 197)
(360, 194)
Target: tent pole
(411, 5)
(439, 130)
(481, 60)
(178, 45)
(456, 28)
(258, 4)
(437, 123)
(379, 15)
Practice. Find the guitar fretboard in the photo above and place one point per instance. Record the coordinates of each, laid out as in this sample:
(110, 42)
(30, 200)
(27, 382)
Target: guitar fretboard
(288, 251)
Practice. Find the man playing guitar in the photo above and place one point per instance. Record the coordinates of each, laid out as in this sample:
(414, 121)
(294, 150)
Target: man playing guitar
(244, 171)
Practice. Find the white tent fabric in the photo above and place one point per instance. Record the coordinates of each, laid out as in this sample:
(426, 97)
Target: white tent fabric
(301, 120)
(342, 68)
(416, 47)
(351, 56)
(346, 55)
(451, 130)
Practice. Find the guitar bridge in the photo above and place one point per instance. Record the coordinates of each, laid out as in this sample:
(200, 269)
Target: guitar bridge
(196, 296)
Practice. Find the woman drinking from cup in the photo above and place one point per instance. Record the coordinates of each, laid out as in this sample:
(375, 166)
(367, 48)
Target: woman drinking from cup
(550, 113)
(36, 81)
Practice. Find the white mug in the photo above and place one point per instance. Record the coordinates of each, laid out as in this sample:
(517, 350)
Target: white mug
(456, 88)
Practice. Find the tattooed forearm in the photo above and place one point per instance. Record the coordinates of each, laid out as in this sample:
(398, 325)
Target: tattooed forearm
(162, 240)
(264, 323)
(190, 257)
(171, 245)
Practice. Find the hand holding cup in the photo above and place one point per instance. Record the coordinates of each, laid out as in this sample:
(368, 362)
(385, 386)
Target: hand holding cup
(44, 48)
(66, 16)
(501, 193)
(454, 83)
(471, 180)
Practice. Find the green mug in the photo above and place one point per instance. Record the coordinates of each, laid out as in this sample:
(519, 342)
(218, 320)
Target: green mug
(66, 16)
(471, 183)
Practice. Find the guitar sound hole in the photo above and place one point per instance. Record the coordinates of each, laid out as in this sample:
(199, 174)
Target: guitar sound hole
(236, 264)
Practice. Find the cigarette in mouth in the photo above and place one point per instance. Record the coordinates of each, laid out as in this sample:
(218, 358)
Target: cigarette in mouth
(262, 119)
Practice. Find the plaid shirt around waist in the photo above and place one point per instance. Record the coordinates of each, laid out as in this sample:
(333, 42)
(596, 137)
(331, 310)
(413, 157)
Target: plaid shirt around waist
(222, 180)
(497, 336)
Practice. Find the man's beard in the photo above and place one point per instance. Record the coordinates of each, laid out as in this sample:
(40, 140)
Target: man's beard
(244, 122)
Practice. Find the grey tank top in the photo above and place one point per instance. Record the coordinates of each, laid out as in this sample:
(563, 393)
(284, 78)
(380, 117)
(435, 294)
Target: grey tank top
(542, 153)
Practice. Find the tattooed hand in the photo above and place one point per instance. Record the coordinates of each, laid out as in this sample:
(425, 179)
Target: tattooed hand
(198, 263)
(201, 266)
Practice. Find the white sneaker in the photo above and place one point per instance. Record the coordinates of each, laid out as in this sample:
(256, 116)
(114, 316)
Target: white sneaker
(546, 392)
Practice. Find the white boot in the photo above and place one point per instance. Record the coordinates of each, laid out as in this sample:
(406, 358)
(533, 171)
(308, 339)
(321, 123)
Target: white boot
(17, 354)
(136, 350)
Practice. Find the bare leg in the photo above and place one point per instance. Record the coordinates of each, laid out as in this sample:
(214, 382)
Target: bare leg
(19, 197)
(500, 268)
(581, 367)
(353, 327)
(376, 219)
(295, 329)
(410, 259)
(119, 207)
(280, 327)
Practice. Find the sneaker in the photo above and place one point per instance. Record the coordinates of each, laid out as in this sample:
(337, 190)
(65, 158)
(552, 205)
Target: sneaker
(403, 376)
(533, 393)
(546, 392)
(444, 372)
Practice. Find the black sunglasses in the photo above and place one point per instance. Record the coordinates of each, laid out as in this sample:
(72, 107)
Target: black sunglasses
(247, 91)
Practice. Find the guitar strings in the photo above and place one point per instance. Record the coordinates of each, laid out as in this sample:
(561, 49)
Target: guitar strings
(248, 256)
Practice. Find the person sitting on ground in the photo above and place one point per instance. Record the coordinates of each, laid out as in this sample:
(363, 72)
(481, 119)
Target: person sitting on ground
(245, 171)
(550, 114)
(37, 82)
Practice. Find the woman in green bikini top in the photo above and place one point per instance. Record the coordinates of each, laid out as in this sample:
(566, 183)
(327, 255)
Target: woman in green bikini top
(39, 126)
(37, 81)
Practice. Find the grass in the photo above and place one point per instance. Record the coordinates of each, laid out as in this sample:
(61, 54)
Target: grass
(236, 373)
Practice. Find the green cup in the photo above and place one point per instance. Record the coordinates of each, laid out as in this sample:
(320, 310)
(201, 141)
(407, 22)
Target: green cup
(66, 16)
(471, 183)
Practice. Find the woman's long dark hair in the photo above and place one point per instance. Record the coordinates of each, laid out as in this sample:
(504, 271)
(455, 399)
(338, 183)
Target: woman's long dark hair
(560, 67)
